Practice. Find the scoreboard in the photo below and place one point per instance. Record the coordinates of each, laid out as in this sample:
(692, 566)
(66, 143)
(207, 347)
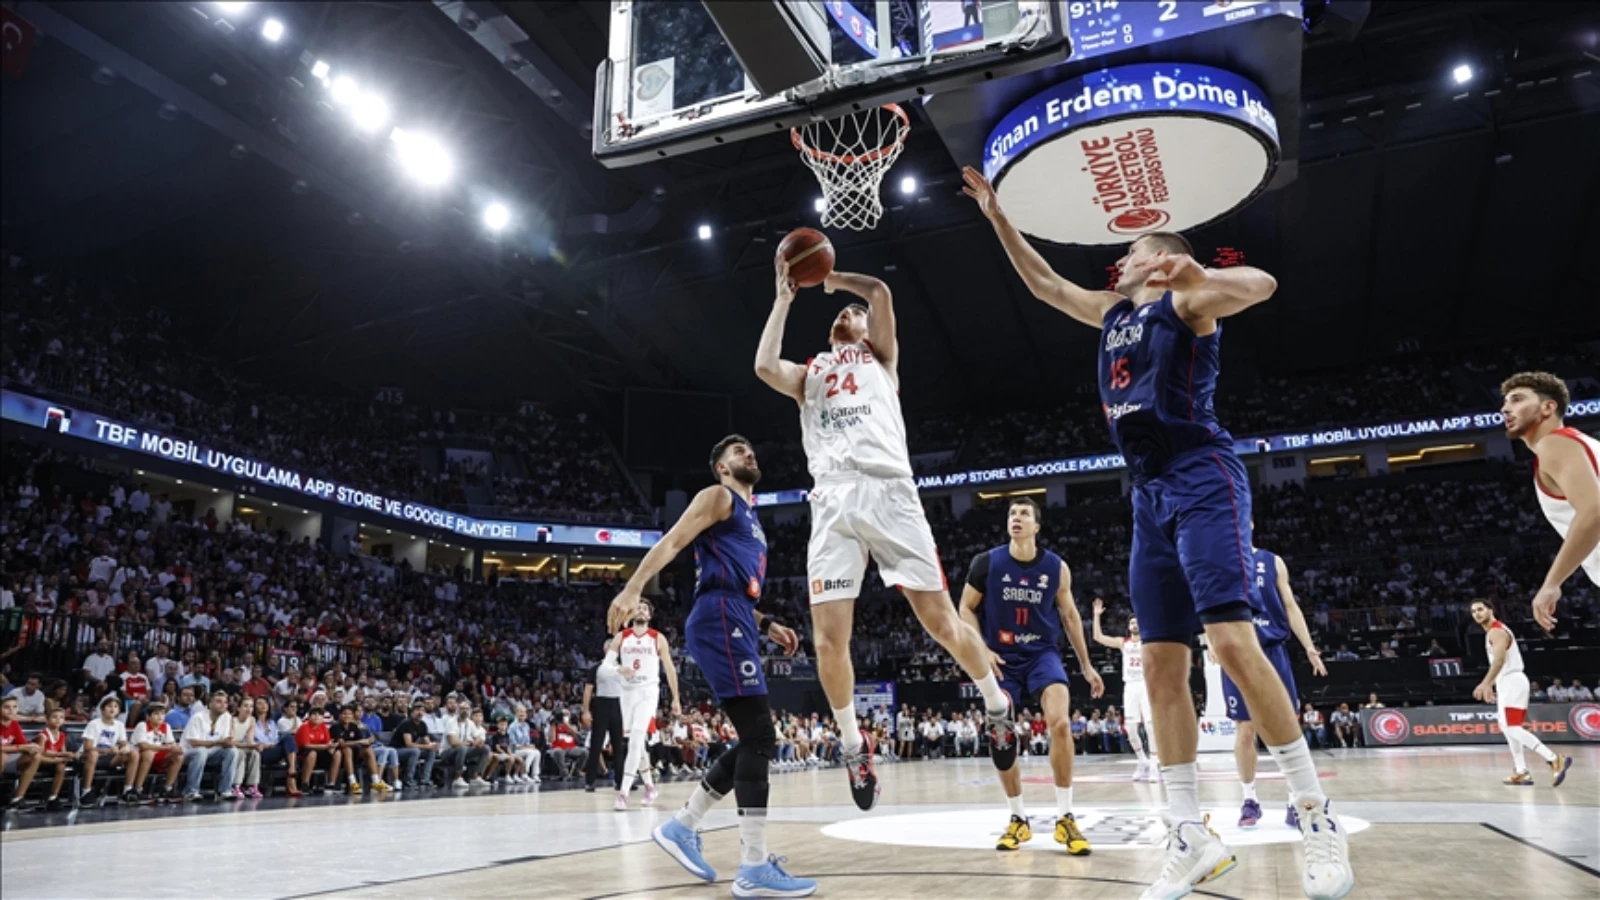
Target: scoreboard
(1099, 27)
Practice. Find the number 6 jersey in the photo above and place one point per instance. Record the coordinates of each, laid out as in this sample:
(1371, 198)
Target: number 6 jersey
(1157, 380)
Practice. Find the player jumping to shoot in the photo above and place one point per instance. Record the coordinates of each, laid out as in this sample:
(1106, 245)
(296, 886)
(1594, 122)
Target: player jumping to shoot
(1189, 569)
(1016, 583)
(864, 501)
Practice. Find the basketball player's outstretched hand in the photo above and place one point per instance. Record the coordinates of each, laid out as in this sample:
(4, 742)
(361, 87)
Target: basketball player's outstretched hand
(785, 286)
(784, 637)
(1099, 606)
(1544, 607)
(1484, 692)
(978, 188)
(621, 611)
(1097, 687)
(1174, 272)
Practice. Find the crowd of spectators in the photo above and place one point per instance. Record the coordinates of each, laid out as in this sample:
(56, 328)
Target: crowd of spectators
(109, 346)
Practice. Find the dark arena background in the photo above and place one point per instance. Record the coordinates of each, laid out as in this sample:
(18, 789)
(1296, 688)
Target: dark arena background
(356, 354)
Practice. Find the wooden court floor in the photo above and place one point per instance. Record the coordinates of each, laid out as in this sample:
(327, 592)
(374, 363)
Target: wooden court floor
(1424, 823)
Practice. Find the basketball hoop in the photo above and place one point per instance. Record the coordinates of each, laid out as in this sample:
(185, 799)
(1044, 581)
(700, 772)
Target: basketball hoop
(849, 156)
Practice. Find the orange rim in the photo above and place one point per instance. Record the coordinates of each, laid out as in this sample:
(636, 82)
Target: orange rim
(855, 158)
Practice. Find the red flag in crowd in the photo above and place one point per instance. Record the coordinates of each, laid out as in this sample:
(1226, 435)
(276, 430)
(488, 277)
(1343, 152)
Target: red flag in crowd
(16, 42)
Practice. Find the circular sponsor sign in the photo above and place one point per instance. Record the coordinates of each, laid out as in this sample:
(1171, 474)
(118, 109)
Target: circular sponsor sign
(1585, 720)
(1119, 152)
(1107, 828)
(1390, 726)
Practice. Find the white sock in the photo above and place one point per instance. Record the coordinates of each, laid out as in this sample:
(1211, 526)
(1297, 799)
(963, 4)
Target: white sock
(752, 837)
(1249, 790)
(849, 731)
(1063, 801)
(1137, 743)
(1016, 807)
(626, 785)
(1183, 791)
(1294, 761)
(994, 699)
(700, 803)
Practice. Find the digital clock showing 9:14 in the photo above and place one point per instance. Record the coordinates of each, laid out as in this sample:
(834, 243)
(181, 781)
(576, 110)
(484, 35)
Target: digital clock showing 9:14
(1099, 27)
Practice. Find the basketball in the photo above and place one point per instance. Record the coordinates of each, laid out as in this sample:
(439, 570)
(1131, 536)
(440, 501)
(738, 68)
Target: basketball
(809, 254)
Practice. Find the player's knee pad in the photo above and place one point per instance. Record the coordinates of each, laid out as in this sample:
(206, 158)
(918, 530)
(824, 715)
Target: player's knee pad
(752, 718)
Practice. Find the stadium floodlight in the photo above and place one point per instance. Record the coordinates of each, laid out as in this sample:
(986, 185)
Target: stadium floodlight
(319, 70)
(344, 90)
(370, 112)
(423, 157)
(272, 30)
(496, 217)
(232, 7)
(820, 204)
(704, 232)
(908, 185)
(1462, 73)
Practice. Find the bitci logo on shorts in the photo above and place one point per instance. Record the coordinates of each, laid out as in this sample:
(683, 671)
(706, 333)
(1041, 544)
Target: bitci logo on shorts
(823, 585)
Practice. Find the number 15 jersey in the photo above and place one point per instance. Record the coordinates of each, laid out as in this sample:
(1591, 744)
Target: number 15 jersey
(1157, 382)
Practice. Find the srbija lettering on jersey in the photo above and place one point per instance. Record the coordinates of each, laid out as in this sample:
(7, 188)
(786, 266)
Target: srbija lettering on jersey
(1556, 507)
(1132, 660)
(638, 655)
(851, 419)
(1157, 382)
(1513, 663)
(1020, 620)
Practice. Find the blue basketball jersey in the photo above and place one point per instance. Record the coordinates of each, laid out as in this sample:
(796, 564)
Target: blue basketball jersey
(1272, 620)
(731, 556)
(1020, 620)
(1157, 381)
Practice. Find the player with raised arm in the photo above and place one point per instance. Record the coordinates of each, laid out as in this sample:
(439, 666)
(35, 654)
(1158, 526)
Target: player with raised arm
(722, 634)
(1016, 583)
(639, 654)
(1135, 701)
(1566, 476)
(1506, 686)
(1189, 568)
(864, 502)
(1278, 617)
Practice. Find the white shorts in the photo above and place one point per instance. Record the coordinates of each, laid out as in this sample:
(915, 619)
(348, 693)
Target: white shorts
(854, 517)
(1511, 692)
(1135, 703)
(638, 708)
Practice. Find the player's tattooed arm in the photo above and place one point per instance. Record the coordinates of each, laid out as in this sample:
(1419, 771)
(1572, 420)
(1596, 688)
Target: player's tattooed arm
(1088, 307)
(881, 331)
(783, 376)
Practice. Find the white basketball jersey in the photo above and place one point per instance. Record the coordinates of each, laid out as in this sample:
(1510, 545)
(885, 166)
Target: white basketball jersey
(1132, 661)
(639, 657)
(851, 419)
(1556, 507)
(1513, 665)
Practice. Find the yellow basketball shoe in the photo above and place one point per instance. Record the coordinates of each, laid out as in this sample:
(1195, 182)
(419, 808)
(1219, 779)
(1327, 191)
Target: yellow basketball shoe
(1017, 834)
(1068, 834)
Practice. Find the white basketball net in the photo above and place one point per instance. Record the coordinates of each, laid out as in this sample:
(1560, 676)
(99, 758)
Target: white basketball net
(850, 156)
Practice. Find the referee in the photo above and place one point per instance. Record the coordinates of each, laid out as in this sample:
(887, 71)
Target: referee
(602, 700)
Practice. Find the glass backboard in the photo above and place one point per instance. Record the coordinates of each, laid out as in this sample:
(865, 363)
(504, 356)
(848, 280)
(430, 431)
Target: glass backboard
(672, 85)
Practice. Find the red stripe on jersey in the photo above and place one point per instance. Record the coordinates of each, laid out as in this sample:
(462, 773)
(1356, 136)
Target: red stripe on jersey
(1567, 432)
(1238, 533)
(1515, 716)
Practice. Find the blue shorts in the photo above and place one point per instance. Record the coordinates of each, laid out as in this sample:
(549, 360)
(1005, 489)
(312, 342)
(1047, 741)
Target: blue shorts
(720, 634)
(1278, 655)
(1025, 679)
(1190, 563)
